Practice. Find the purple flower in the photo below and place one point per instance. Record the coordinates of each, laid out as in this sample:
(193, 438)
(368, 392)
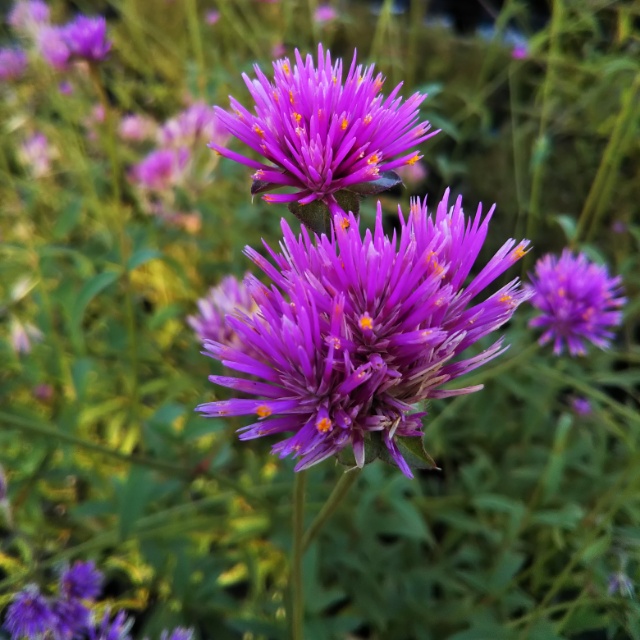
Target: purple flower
(620, 583)
(161, 169)
(578, 300)
(36, 154)
(13, 63)
(87, 38)
(520, 52)
(28, 15)
(82, 581)
(413, 173)
(355, 331)
(581, 406)
(325, 13)
(136, 128)
(194, 124)
(117, 629)
(52, 46)
(320, 134)
(22, 336)
(212, 17)
(72, 619)
(29, 614)
(223, 301)
(179, 633)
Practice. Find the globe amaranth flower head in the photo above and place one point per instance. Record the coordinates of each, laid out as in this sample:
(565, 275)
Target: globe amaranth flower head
(161, 169)
(579, 302)
(86, 38)
(215, 310)
(29, 614)
(321, 134)
(82, 581)
(13, 63)
(356, 330)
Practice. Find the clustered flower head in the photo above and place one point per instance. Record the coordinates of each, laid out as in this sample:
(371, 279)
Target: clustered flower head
(86, 38)
(161, 169)
(357, 329)
(578, 301)
(189, 127)
(34, 616)
(13, 63)
(225, 300)
(321, 133)
(28, 15)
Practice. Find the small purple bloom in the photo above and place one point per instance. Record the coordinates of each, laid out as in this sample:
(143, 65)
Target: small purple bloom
(87, 38)
(82, 581)
(413, 173)
(29, 614)
(136, 128)
(179, 633)
(321, 134)
(28, 15)
(222, 303)
(43, 392)
(519, 52)
(23, 335)
(325, 13)
(581, 406)
(13, 63)
(36, 154)
(212, 17)
(356, 331)
(194, 124)
(578, 301)
(161, 169)
(116, 629)
(620, 583)
(72, 619)
(65, 88)
(52, 46)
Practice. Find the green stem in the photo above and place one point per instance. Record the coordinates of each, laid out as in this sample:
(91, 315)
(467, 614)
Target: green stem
(297, 595)
(193, 24)
(602, 186)
(547, 92)
(347, 479)
(120, 225)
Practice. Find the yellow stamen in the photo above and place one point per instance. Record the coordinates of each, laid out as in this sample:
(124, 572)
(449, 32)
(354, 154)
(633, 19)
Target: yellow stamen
(367, 119)
(518, 253)
(413, 159)
(264, 411)
(286, 68)
(297, 116)
(561, 292)
(344, 124)
(267, 198)
(324, 425)
(366, 322)
(258, 130)
(291, 100)
(377, 84)
(374, 159)
(506, 299)
(344, 223)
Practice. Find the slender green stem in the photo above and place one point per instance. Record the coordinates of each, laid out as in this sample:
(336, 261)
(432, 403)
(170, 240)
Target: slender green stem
(553, 57)
(193, 24)
(112, 144)
(602, 186)
(297, 595)
(341, 489)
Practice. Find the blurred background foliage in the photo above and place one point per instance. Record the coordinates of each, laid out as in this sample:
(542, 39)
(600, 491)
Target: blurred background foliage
(530, 531)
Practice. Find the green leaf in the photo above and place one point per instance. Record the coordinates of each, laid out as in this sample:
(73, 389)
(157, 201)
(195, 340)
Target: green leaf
(141, 256)
(413, 451)
(67, 219)
(89, 291)
(568, 225)
(133, 498)
(315, 216)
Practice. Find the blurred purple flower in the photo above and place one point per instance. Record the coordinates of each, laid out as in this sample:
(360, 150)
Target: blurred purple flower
(116, 629)
(278, 50)
(28, 15)
(620, 583)
(22, 336)
(72, 619)
(43, 392)
(65, 88)
(413, 173)
(13, 63)
(52, 46)
(196, 123)
(179, 633)
(87, 38)
(581, 406)
(161, 169)
(578, 300)
(136, 128)
(355, 331)
(322, 134)
(325, 13)
(619, 226)
(222, 303)
(29, 614)
(36, 154)
(212, 17)
(81, 581)
(519, 52)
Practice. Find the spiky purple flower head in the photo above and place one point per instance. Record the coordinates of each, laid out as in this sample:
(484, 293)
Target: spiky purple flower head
(116, 629)
(13, 63)
(82, 581)
(356, 330)
(29, 614)
(579, 302)
(87, 38)
(161, 169)
(73, 619)
(319, 133)
(222, 302)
